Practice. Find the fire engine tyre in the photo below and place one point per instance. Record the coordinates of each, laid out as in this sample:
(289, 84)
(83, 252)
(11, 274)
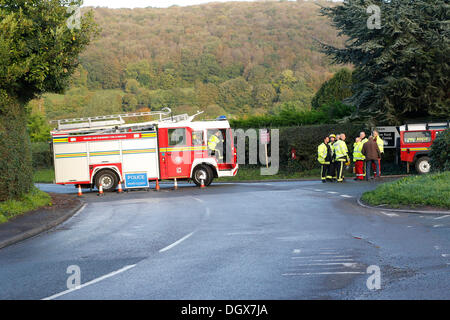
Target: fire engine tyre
(108, 178)
(423, 165)
(202, 171)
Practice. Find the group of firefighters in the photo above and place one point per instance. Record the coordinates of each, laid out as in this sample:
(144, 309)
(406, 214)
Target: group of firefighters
(333, 156)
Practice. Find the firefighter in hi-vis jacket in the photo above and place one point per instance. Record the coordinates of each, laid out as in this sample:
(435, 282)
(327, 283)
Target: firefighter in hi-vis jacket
(213, 141)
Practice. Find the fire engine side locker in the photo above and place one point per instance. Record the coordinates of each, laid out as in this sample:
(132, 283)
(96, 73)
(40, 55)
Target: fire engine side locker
(71, 161)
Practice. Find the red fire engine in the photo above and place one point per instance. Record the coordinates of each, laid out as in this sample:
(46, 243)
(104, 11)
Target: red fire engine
(105, 150)
(415, 143)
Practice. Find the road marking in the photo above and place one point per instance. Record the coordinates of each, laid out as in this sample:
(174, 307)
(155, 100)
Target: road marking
(177, 242)
(346, 196)
(318, 190)
(109, 275)
(441, 217)
(437, 247)
(437, 225)
(345, 264)
(329, 260)
(445, 255)
(244, 233)
(296, 251)
(308, 257)
(331, 192)
(199, 200)
(389, 214)
(322, 273)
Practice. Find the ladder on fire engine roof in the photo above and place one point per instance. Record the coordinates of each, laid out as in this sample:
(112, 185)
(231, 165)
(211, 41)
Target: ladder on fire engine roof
(117, 122)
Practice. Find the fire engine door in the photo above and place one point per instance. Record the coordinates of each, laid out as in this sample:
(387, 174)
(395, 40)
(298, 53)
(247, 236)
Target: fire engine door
(175, 152)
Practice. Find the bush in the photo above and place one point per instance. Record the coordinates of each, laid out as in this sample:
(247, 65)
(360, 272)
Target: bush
(42, 155)
(440, 152)
(16, 176)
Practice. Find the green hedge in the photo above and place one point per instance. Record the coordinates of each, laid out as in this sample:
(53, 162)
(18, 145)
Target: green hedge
(305, 140)
(42, 155)
(440, 152)
(16, 173)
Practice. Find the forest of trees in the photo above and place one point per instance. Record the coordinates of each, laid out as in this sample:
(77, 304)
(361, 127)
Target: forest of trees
(236, 59)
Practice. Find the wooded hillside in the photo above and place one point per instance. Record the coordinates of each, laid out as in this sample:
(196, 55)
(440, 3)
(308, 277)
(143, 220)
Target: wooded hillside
(236, 58)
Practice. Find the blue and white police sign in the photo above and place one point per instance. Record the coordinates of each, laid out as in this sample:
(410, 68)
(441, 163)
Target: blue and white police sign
(136, 180)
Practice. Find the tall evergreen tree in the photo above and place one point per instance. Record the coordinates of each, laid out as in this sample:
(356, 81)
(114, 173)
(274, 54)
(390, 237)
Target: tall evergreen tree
(402, 67)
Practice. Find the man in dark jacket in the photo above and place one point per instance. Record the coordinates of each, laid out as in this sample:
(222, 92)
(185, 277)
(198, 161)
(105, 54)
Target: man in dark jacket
(372, 153)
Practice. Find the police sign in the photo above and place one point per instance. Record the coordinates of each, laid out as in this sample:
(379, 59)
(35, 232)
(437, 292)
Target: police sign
(136, 180)
(389, 136)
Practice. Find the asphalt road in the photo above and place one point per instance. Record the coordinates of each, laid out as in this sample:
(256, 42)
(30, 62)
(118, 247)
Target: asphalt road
(286, 240)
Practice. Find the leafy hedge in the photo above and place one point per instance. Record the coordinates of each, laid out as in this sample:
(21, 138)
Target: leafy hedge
(440, 152)
(42, 155)
(290, 115)
(305, 139)
(16, 176)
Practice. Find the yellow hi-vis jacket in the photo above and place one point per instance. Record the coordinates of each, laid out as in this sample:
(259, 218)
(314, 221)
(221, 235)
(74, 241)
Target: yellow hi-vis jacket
(212, 142)
(380, 144)
(322, 154)
(341, 150)
(357, 151)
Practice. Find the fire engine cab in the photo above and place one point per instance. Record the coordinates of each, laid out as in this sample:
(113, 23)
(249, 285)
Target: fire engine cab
(416, 141)
(106, 150)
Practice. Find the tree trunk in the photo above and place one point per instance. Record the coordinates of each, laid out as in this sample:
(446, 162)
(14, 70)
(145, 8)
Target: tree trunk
(16, 171)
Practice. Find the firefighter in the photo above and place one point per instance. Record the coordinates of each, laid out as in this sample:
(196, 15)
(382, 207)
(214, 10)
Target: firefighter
(342, 158)
(380, 144)
(358, 158)
(213, 141)
(362, 136)
(332, 167)
(324, 158)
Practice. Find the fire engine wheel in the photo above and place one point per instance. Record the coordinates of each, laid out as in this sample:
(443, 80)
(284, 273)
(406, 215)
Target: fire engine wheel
(108, 179)
(204, 173)
(423, 165)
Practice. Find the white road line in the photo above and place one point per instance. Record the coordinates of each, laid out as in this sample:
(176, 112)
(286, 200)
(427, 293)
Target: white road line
(445, 255)
(322, 273)
(345, 264)
(437, 225)
(177, 242)
(328, 253)
(312, 257)
(331, 192)
(329, 260)
(346, 196)
(296, 251)
(389, 214)
(318, 190)
(197, 199)
(109, 275)
(442, 217)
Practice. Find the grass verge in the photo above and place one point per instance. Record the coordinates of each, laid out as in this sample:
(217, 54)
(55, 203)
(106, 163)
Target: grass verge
(416, 191)
(31, 201)
(44, 176)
